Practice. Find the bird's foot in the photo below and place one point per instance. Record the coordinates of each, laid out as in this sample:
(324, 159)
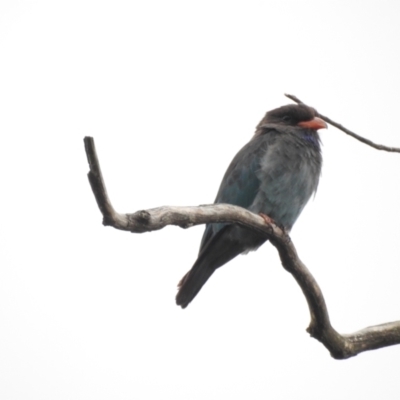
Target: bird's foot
(267, 219)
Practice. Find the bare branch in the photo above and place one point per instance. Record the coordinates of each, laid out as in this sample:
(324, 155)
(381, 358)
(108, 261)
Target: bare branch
(340, 346)
(349, 132)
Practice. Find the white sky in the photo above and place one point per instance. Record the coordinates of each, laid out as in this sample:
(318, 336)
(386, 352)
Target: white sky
(171, 91)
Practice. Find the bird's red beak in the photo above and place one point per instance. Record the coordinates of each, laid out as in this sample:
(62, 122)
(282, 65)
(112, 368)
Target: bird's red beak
(316, 123)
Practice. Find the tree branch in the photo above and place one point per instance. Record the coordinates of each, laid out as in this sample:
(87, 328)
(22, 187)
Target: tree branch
(349, 132)
(340, 346)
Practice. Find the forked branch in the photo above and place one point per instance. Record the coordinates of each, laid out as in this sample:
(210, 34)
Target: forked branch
(340, 346)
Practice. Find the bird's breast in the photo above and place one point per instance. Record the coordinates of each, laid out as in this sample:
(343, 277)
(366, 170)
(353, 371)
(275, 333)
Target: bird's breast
(289, 173)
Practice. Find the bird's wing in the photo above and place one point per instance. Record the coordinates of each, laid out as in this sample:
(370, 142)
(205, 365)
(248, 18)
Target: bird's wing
(240, 184)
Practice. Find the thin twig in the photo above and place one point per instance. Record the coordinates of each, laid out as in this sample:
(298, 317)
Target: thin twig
(349, 132)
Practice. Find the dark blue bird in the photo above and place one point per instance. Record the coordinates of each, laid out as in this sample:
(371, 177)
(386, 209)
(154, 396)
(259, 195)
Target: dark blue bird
(274, 174)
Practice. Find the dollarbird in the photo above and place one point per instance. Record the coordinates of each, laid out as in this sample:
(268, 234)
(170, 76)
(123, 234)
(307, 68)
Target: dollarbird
(274, 175)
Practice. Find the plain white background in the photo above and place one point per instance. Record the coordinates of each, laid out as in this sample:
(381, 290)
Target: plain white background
(171, 91)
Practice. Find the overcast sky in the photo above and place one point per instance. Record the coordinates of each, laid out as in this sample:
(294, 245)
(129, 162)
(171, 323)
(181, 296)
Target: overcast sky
(171, 90)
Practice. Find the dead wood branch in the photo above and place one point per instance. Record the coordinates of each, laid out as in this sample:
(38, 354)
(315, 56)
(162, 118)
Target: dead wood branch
(340, 346)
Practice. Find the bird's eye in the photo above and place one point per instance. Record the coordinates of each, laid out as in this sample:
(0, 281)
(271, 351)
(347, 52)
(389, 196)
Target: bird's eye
(286, 118)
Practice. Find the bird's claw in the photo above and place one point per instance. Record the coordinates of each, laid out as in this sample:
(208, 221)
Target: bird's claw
(267, 219)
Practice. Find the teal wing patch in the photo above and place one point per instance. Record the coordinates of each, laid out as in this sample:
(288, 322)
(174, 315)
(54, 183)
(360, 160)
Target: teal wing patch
(240, 184)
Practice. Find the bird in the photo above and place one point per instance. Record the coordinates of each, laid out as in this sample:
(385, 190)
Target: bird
(274, 175)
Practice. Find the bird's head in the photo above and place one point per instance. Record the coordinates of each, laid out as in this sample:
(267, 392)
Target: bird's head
(292, 115)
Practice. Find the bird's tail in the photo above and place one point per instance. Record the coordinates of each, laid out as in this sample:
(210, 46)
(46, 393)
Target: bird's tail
(191, 283)
(219, 250)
